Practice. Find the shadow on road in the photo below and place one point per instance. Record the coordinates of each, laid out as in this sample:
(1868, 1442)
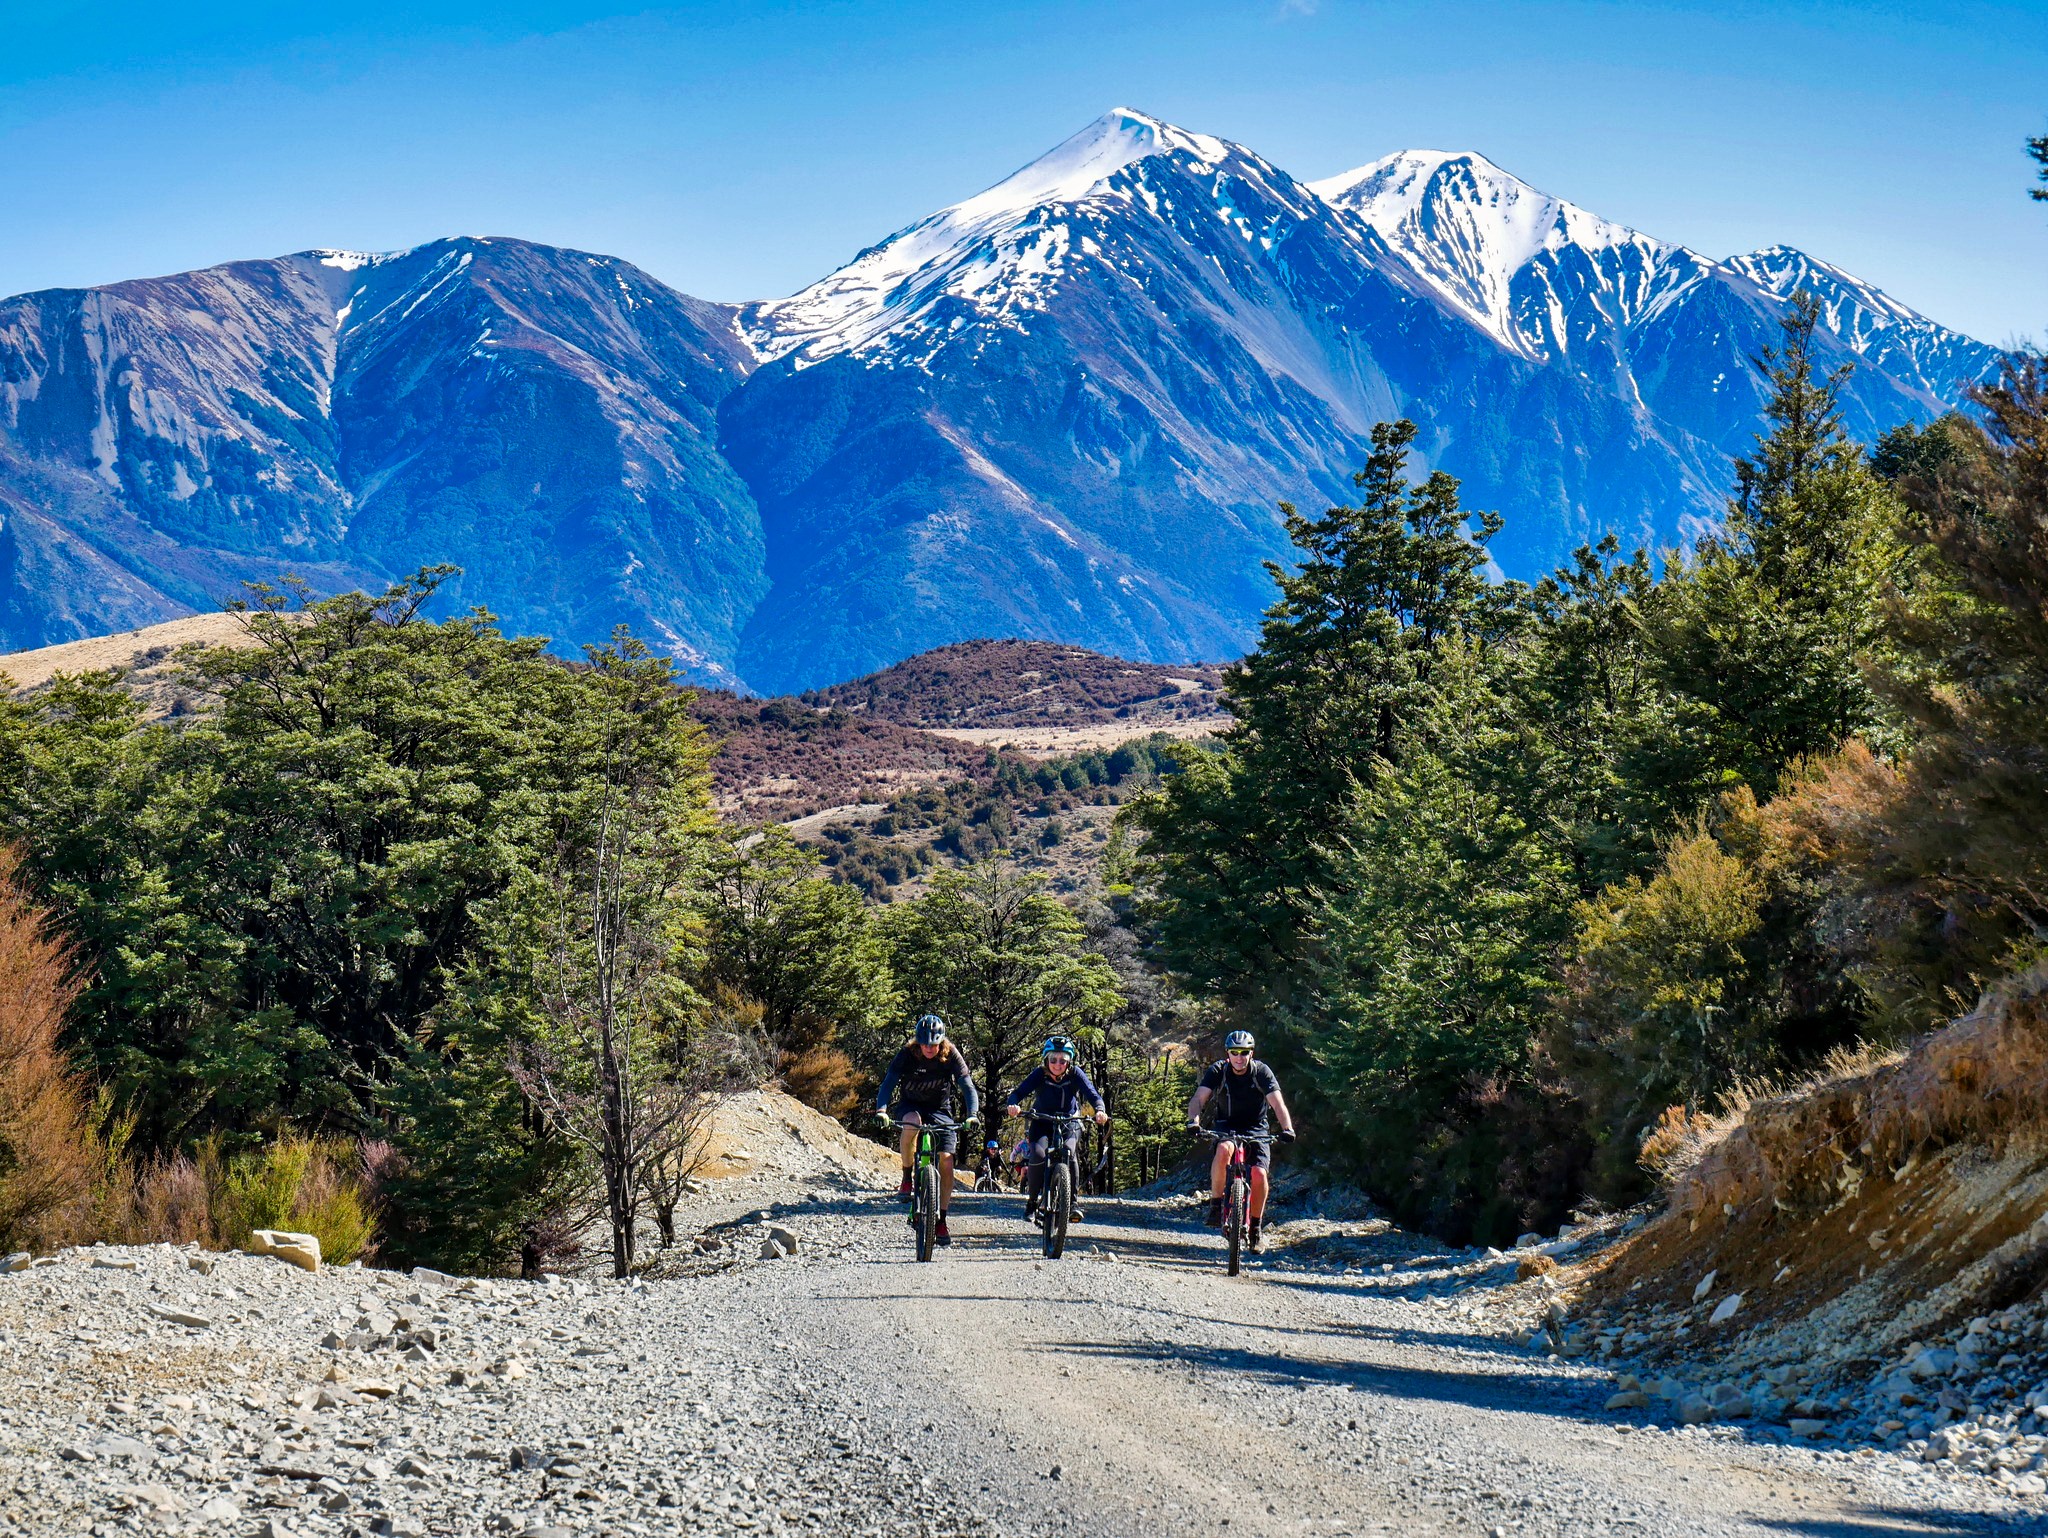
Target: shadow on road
(1896, 1522)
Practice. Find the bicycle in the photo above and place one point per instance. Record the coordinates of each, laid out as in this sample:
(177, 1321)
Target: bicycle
(1056, 1193)
(1237, 1189)
(924, 1182)
(993, 1166)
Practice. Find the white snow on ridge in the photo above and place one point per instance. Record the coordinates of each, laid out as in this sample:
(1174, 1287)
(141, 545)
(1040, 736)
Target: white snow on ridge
(1470, 230)
(347, 261)
(1001, 238)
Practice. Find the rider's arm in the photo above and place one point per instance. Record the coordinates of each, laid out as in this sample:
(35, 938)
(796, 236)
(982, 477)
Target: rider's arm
(1199, 1099)
(1031, 1082)
(968, 1094)
(889, 1079)
(1088, 1091)
(1280, 1111)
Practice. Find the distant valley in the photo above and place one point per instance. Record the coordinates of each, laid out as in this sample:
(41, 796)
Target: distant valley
(1062, 409)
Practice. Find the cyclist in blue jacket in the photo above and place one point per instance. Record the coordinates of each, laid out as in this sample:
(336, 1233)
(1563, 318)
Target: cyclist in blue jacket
(1056, 1087)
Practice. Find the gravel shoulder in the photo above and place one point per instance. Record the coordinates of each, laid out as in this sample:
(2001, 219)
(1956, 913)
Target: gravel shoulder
(1128, 1388)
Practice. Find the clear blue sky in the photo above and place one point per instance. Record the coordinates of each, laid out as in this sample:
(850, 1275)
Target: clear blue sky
(740, 150)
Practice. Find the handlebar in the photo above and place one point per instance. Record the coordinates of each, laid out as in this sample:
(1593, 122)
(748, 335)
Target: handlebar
(1225, 1135)
(935, 1123)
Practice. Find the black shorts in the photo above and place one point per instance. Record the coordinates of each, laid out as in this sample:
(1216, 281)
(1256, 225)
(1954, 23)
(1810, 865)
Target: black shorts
(1258, 1155)
(945, 1140)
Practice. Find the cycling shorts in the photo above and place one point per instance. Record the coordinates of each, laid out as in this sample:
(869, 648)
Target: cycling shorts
(1258, 1156)
(945, 1140)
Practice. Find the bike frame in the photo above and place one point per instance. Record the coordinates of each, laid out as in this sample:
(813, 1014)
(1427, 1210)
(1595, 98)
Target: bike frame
(1052, 1215)
(924, 1180)
(1237, 1190)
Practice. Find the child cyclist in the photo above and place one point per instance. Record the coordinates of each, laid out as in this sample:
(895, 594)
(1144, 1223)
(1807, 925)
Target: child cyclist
(1056, 1088)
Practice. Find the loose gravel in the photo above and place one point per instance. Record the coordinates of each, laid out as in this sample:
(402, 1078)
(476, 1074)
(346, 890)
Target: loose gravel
(844, 1389)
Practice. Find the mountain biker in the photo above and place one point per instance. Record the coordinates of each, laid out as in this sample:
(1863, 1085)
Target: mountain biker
(991, 1173)
(1249, 1089)
(1057, 1087)
(929, 1072)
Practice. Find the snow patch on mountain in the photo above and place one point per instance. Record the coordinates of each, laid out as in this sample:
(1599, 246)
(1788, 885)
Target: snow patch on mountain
(996, 252)
(1513, 260)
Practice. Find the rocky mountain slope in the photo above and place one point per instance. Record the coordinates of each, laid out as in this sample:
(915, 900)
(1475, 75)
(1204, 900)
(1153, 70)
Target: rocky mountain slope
(1063, 408)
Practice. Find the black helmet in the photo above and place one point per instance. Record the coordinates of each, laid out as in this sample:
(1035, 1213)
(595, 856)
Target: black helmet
(931, 1030)
(1238, 1041)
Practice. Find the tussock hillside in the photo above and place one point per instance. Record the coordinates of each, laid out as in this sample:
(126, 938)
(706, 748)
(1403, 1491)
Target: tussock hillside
(1018, 685)
(149, 657)
(780, 760)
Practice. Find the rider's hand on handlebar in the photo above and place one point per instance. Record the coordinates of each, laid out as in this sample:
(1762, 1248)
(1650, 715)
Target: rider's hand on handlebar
(1286, 1134)
(1102, 1118)
(1013, 1110)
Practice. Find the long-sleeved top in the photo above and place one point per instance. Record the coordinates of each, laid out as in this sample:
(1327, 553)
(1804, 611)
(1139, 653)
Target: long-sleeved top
(930, 1083)
(1056, 1097)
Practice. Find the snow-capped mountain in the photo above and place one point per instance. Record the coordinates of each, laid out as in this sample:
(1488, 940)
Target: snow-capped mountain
(1534, 272)
(1063, 408)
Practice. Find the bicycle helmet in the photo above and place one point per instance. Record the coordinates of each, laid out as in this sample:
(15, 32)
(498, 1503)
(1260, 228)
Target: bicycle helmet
(1238, 1041)
(931, 1030)
(1064, 1044)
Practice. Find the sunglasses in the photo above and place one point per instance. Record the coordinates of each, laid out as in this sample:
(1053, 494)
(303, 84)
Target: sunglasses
(1061, 1061)
(1238, 1052)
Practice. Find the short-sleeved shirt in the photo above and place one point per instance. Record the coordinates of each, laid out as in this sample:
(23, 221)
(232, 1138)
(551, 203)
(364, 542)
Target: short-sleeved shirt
(1240, 1098)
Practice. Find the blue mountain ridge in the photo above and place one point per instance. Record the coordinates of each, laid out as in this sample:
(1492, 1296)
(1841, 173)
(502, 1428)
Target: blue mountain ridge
(1063, 409)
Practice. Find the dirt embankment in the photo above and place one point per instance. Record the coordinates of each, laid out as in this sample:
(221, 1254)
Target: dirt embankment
(1877, 1206)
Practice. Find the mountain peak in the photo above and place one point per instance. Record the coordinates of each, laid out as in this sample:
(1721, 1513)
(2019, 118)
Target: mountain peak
(993, 250)
(1470, 231)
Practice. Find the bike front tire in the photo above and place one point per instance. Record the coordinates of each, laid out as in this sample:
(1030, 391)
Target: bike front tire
(927, 1211)
(1236, 1216)
(1059, 1203)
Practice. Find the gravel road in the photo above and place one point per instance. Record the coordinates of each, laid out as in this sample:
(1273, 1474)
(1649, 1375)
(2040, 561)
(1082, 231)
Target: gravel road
(1129, 1388)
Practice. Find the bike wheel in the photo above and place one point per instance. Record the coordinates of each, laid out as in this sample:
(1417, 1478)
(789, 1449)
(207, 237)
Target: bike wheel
(927, 1210)
(1236, 1209)
(1059, 1202)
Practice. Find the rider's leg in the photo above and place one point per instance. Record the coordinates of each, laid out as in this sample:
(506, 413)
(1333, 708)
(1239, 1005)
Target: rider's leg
(908, 1144)
(1218, 1166)
(1258, 1192)
(945, 1183)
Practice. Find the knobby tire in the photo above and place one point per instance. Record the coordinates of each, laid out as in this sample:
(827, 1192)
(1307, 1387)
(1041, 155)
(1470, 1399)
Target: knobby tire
(1059, 1201)
(1234, 1220)
(927, 1210)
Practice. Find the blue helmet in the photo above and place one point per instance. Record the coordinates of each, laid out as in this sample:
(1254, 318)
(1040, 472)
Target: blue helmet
(1064, 1044)
(931, 1030)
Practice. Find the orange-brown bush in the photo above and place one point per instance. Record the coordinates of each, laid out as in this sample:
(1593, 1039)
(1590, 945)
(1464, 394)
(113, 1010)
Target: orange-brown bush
(823, 1078)
(50, 1155)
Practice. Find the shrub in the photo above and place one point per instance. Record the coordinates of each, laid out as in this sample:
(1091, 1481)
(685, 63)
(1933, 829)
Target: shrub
(302, 1184)
(51, 1158)
(823, 1078)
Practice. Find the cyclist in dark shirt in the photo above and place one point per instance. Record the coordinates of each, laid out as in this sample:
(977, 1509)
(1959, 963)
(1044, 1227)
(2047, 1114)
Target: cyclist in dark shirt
(926, 1076)
(1245, 1090)
(1056, 1087)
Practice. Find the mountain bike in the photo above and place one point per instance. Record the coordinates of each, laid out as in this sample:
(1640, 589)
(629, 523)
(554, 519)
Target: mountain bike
(993, 1167)
(924, 1183)
(1237, 1190)
(1056, 1191)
